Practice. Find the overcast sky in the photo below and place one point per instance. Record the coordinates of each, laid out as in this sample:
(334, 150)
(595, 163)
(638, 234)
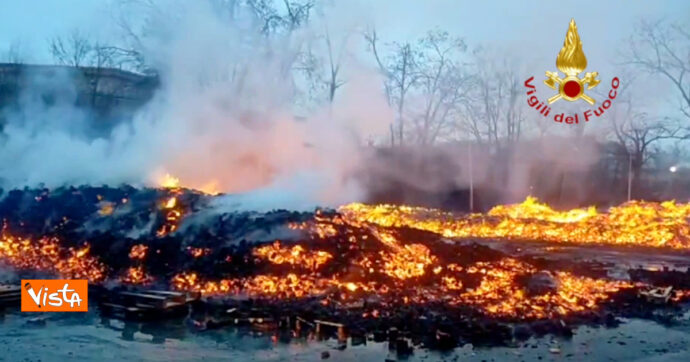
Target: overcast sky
(522, 26)
(531, 30)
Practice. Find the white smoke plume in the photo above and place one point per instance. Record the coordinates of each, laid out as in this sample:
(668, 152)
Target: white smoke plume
(223, 120)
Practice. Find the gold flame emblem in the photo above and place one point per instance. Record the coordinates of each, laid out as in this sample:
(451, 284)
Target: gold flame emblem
(571, 60)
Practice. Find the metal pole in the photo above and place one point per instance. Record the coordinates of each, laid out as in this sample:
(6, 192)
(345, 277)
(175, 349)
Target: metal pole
(629, 175)
(469, 157)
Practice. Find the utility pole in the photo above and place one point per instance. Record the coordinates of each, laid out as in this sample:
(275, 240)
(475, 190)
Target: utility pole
(469, 157)
(630, 175)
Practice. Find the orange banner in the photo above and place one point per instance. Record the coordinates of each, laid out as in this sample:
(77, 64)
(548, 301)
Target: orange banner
(55, 295)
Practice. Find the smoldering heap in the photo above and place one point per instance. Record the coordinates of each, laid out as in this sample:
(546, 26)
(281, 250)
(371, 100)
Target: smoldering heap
(368, 268)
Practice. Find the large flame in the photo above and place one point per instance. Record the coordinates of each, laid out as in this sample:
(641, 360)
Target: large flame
(168, 181)
(571, 59)
(640, 223)
(296, 255)
(373, 252)
(46, 254)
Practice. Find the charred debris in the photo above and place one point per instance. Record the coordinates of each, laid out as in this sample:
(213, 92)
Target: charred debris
(173, 253)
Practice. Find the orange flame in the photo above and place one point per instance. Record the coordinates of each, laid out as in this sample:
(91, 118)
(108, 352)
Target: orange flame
(46, 254)
(296, 255)
(137, 276)
(650, 224)
(138, 251)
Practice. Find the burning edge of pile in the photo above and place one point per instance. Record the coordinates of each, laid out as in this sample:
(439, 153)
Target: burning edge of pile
(350, 267)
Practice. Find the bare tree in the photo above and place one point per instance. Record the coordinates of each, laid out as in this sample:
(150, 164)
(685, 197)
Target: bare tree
(322, 62)
(639, 134)
(663, 49)
(294, 15)
(79, 51)
(442, 82)
(426, 83)
(494, 111)
(130, 53)
(334, 64)
(400, 71)
(73, 49)
(16, 53)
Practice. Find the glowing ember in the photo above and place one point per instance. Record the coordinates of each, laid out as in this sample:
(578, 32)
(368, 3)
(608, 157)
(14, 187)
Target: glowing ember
(106, 209)
(681, 295)
(297, 255)
(406, 261)
(137, 276)
(173, 215)
(198, 252)
(138, 251)
(191, 281)
(391, 255)
(499, 294)
(635, 223)
(46, 254)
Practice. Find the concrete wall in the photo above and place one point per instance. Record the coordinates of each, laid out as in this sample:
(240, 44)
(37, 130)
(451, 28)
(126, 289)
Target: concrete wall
(110, 95)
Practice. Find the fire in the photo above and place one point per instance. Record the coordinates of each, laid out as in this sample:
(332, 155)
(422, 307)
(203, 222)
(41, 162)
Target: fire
(650, 224)
(210, 188)
(106, 209)
(297, 255)
(173, 214)
(391, 256)
(404, 261)
(407, 262)
(499, 293)
(289, 286)
(137, 276)
(170, 204)
(169, 181)
(138, 251)
(192, 281)
(198, 252)
(410, 273)
(681, 296)
(46, 254)
(533, 209)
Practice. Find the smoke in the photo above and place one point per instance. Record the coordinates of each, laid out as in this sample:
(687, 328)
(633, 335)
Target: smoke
(223, 120)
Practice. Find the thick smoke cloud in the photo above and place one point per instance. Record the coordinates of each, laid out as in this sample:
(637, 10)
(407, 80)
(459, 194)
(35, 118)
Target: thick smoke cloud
(223, 120)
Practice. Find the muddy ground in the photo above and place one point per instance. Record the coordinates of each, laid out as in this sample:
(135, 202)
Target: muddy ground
(88, 336)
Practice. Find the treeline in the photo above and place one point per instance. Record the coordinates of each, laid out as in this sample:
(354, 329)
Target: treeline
(445, 93)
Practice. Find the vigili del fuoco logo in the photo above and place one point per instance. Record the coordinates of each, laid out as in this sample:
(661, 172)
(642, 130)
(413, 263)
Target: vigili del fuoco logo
(571, 61)
(55, 295)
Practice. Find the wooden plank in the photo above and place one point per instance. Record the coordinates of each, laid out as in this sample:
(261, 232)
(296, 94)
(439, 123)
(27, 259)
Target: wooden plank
(144, 295)
(174, 296)
(9, 288)
(305, 321)
(122, 307)
(327, 323)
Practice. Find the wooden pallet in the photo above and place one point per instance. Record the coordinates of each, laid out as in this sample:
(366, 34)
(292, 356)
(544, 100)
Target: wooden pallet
(146, 304)
(10, 295)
